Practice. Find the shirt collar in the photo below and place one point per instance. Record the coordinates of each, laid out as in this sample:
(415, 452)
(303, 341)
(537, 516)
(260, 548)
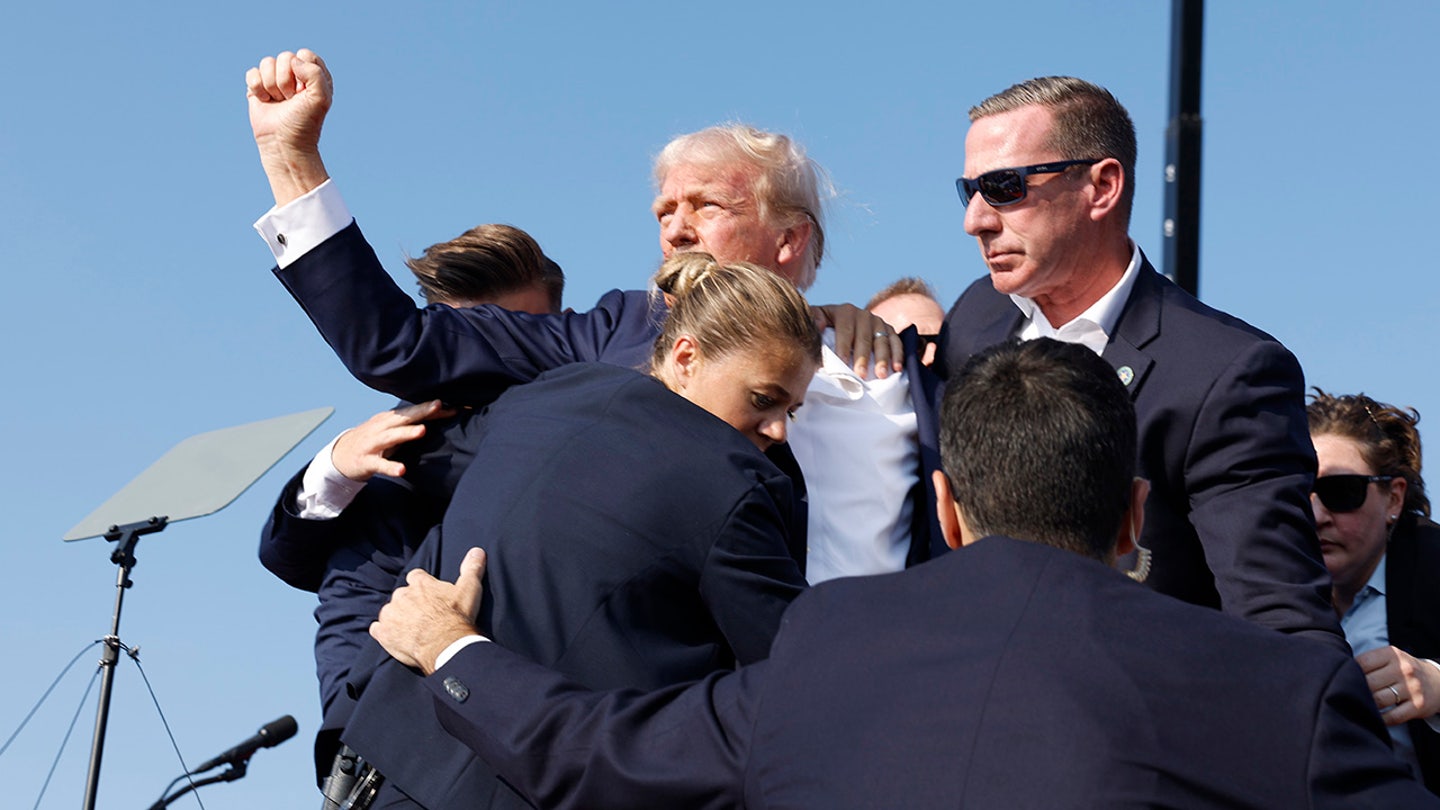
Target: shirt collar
(1104, 313)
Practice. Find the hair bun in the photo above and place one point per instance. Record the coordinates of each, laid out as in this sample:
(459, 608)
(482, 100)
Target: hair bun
(682, 272)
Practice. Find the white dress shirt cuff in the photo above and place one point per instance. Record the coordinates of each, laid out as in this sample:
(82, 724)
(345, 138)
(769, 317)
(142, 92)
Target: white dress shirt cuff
(324, 492)
(456, 646)
(296, 228)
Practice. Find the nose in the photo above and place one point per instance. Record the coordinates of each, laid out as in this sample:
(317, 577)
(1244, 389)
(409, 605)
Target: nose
(677, 230)
(1322, 515)
(980, 216)
(774, 429)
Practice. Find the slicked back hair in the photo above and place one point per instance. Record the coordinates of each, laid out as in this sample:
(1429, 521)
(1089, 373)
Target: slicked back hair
(732, 308)
(1088, 123)
(1038, 441)
(484, 263)
(787, 185)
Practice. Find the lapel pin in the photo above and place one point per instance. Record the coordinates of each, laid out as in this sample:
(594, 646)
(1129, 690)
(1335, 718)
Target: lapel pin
(1126, 373)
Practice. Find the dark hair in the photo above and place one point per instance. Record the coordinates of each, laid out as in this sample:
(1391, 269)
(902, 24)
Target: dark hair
(1088, 122)
(1386, 435)
(1038, 441)
(732, 307)
(908, 285)
(484, 263)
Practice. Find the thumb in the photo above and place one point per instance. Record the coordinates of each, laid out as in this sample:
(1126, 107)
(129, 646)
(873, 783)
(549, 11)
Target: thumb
(472, 568)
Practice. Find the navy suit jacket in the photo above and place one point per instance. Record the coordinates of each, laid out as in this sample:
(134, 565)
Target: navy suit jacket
(1412, 613)
(1005, 675)
(1224, 442)
(635, 538)
(468, 356)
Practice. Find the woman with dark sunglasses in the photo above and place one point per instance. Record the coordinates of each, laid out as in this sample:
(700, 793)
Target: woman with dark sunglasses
(1383, 552)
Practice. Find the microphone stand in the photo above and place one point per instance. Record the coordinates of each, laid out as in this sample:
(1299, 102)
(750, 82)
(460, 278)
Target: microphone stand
(235, 771)
(124, 556)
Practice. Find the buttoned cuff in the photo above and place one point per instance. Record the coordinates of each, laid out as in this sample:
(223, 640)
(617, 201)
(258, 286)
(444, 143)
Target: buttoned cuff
(296, 228)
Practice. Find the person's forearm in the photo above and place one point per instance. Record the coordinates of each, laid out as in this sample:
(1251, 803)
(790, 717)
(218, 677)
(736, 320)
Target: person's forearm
(292, 172)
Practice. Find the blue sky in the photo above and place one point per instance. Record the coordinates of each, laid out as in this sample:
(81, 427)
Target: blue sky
(142, 309)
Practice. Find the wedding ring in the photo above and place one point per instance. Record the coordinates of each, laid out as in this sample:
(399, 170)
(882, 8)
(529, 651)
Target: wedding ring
(1395, 692)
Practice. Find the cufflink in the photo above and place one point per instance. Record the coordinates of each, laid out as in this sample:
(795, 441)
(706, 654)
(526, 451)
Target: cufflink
(280, 237)
(456, 689)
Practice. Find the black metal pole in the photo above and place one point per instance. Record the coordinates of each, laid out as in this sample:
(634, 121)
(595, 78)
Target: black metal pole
(124, 556)
(1182, 146)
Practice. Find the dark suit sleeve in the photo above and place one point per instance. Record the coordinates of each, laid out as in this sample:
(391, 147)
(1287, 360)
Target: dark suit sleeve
(562, 746)
(750, 576)
(293, 548)
(465, 356)
(1351, 764)
(1248, 470)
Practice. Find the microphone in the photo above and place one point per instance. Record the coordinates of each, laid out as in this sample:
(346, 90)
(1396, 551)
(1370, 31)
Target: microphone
(271, 734)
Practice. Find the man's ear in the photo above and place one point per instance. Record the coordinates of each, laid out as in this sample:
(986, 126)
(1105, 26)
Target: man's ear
(791, 248)
(1134, 520)
(1108, 180)
(952, 522)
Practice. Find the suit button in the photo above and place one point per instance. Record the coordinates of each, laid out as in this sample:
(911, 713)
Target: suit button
(457, 690)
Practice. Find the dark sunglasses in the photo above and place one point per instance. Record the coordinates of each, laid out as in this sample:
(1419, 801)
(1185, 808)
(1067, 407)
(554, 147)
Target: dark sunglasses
(1346, 493)
(1007, 186)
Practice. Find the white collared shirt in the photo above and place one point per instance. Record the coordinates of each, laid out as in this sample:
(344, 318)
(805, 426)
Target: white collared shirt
(855, 440)
(1090, 328)
(857, 443)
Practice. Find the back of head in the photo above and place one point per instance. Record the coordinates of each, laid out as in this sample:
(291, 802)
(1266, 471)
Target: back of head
(907, 285)
(787, 185)
(1387, 437)
(1038, 441)
(732, 308)
(484, 263)
(1088, 122)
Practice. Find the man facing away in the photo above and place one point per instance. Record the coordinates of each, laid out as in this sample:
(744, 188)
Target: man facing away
(1021, 671)
(1048, 187)
(345, 526)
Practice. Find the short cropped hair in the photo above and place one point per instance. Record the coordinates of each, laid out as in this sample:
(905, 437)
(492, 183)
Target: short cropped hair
(787, 187)
(732, 308)
(908, 285)
(1038, 441)
(1089, 123)
(1387, 436)
(484, 263)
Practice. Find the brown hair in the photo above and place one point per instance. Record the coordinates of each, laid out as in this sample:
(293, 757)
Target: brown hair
(1088, 122)
(1386, 435)
(732, 307)
(483, 263)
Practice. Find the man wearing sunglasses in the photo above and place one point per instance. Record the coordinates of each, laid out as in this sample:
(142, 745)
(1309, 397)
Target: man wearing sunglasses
(1047, 190)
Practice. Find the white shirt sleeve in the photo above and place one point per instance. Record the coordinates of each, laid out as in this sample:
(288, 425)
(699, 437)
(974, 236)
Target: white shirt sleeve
(456, 646)
(296, 228)
(324, 492)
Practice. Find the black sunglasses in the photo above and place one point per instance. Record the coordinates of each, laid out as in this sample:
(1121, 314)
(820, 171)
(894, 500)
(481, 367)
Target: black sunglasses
(1007, 186)
(1346, 493)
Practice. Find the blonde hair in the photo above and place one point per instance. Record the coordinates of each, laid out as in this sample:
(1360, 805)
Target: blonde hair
(787, 184)
(730, 308)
